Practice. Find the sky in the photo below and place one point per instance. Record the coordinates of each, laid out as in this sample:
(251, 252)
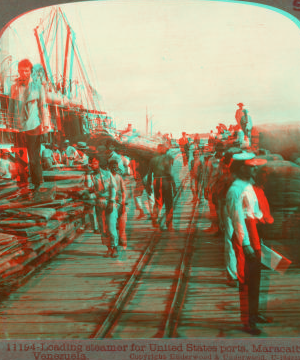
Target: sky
(188, 63)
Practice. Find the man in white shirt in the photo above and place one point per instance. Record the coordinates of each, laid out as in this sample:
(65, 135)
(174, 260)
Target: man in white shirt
(120, 203)
(242, 213)
(69, 154)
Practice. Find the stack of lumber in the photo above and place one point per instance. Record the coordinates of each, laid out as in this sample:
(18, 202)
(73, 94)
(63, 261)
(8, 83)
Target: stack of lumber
(33, 229)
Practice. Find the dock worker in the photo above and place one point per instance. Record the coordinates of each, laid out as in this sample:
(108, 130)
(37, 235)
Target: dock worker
(210, 181)
(5, 166)
(239, 113)
(196, 175)
(120, 204)
(102, 184)
(140, 173)
(69, 154)
(224, 182)
(21, 168)
(163, 184)
(113, 155)
(82, 158)
(246, 124)
(185, 148)
(47, 157)
(31, 116)
(56, 154)
(243, 211)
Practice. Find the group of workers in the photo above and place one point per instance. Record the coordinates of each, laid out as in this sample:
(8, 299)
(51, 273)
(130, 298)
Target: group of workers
(70, 155)
(226, 172)
(227, 179)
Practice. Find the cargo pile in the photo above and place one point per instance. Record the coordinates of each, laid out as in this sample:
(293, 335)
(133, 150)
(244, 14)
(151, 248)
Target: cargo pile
(281, 182)
(33, 230)
(280, 139)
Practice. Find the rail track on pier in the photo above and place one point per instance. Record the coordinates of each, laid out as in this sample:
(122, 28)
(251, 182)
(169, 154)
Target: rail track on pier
(141, 290)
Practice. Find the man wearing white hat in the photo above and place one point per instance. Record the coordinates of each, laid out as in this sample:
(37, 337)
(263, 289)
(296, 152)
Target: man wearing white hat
(243, 212)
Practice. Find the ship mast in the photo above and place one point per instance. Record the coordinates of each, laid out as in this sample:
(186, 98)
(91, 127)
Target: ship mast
(71, 56)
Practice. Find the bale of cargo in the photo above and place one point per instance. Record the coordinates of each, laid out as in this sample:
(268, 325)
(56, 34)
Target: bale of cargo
(294, 157)
(280, 139)
(285, 226)
(270, 157)
(281, 182)
(140, 147)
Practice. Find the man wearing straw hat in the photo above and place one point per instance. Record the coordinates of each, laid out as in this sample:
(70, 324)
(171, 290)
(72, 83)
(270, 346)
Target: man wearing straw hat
(243, 213)
(82, 158)
(239, 113)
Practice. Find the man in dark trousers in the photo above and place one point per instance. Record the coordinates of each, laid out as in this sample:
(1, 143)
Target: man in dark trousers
(29, 110)
(243, 212)
(185, 148)
(163, 185)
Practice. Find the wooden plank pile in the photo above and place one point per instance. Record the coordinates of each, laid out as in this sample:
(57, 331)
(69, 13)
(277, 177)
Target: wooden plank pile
(33, 229)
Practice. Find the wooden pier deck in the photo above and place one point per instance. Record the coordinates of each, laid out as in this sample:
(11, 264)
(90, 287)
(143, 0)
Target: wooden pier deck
(71, 296)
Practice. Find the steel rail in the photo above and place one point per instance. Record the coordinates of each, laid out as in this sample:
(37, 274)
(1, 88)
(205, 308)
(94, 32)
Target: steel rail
(182, 280)
(108, 323)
